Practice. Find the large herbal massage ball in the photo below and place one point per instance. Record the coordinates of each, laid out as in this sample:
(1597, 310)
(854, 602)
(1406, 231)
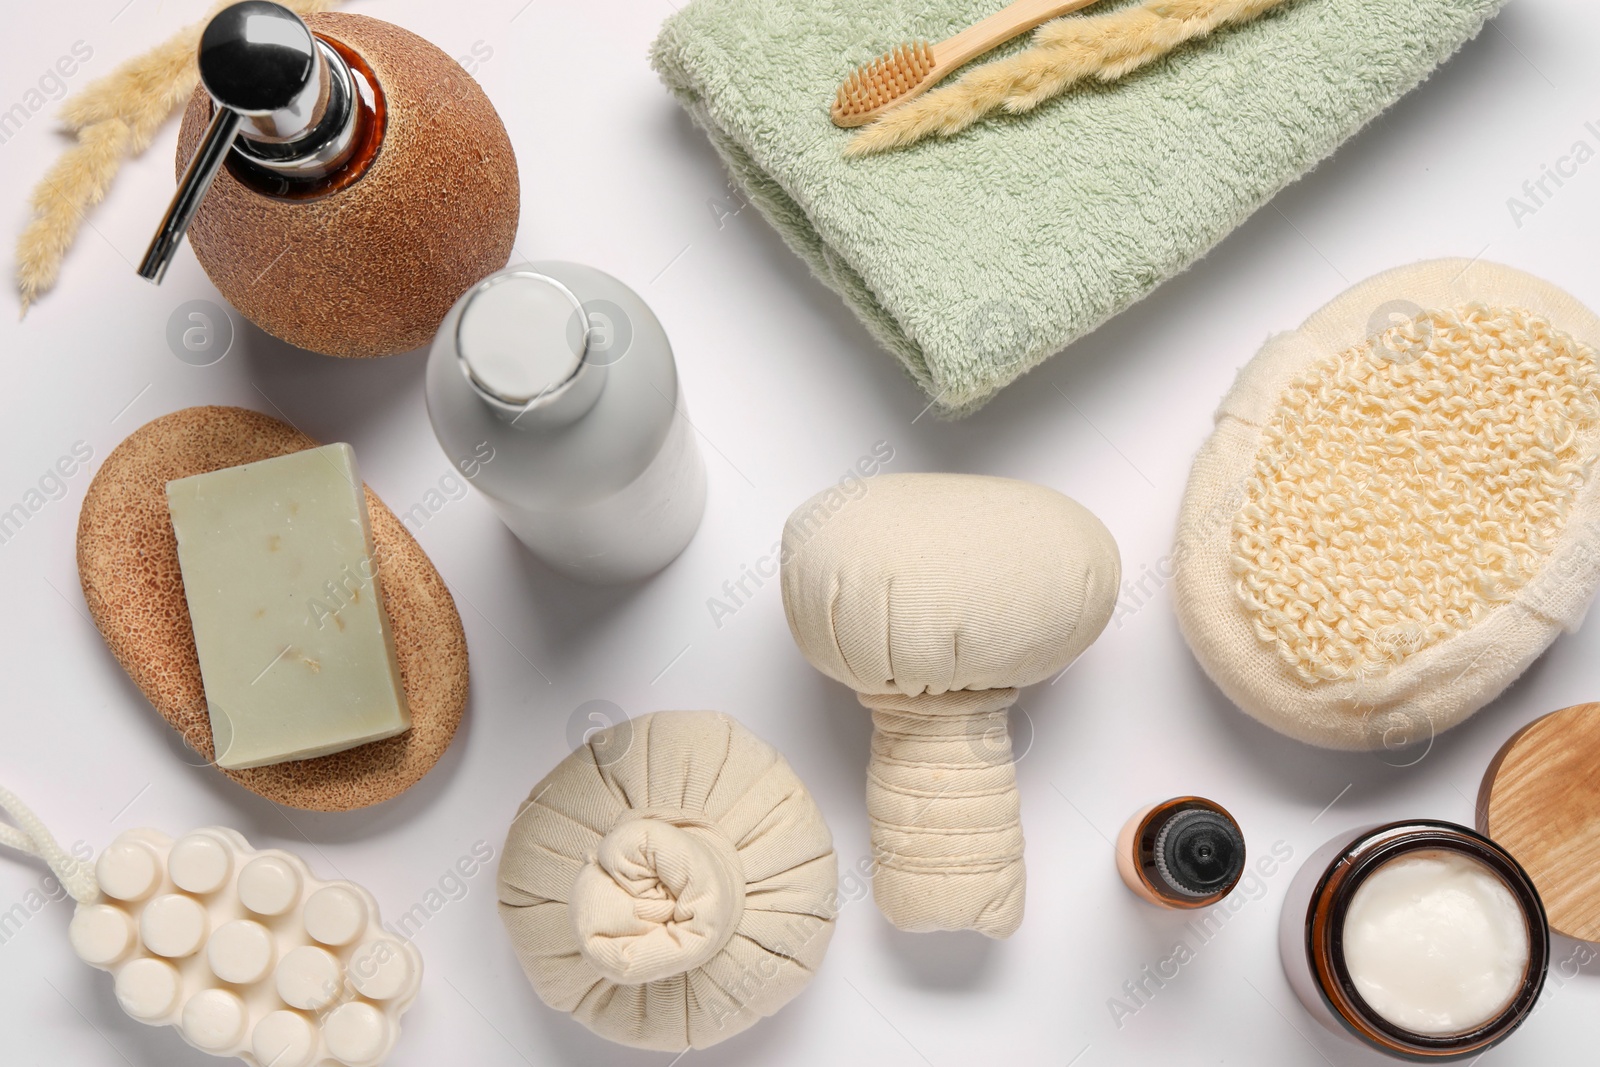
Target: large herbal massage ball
(936, 597)
(670, 883)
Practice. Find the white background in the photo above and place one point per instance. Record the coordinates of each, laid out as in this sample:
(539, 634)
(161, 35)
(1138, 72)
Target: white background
(787, 391)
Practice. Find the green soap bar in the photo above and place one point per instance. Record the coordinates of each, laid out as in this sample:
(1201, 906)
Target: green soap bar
(282, 583)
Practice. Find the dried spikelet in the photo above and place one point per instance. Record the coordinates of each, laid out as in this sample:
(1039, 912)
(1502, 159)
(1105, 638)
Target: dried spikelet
(113, 117)
(1065, 51)
(78, 181)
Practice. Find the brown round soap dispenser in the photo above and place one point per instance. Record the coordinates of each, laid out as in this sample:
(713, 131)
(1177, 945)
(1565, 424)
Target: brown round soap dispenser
(342, 180)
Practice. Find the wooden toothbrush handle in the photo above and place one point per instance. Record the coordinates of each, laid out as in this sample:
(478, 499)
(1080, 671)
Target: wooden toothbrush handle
(1001, 27)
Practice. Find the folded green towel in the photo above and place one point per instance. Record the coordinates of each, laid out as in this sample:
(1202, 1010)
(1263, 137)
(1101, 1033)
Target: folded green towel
(974, 259)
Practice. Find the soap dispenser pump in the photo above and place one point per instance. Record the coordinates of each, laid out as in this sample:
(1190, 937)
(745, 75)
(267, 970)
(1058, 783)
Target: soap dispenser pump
(342, 180)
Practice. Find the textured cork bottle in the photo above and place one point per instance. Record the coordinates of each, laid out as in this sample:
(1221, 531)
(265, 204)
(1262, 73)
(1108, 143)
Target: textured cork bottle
(362, 257)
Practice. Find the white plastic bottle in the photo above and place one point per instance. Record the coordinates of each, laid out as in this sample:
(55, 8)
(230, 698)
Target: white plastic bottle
(568, 377)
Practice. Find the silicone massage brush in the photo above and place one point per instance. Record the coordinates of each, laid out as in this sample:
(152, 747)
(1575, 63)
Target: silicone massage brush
(911, 69)
(936, 597)
(1398, 511)
(244, 953)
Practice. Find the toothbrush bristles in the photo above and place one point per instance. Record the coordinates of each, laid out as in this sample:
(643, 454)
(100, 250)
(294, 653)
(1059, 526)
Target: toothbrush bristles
(878, 84)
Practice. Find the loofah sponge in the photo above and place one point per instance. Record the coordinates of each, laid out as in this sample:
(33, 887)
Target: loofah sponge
(936, 597)
(1397, 513)
(670, 883)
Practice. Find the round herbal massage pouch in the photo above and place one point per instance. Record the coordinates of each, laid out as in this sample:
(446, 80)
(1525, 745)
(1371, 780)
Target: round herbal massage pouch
(1397, 513)
(669, 883)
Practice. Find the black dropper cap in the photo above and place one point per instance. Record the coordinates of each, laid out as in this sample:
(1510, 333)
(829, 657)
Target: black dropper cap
(1199, 853)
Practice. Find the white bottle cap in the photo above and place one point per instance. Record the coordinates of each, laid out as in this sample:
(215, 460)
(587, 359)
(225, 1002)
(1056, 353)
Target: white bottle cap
(522, 336)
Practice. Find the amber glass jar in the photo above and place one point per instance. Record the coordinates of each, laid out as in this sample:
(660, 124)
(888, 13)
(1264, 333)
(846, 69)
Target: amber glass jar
(1311, 937)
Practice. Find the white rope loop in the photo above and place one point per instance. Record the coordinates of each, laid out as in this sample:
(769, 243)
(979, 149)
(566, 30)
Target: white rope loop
(30, 836)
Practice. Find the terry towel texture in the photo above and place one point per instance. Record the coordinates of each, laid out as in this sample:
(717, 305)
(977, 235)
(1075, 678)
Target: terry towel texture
(974, 259)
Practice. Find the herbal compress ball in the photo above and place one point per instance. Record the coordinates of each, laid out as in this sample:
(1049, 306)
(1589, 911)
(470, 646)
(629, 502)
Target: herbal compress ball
(936, 597)
(670, 883)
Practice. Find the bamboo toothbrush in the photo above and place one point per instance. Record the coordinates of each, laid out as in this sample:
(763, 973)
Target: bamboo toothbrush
(912, 69)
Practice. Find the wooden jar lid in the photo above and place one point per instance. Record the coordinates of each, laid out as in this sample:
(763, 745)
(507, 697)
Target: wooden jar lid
(128, 565)
(1540, 801)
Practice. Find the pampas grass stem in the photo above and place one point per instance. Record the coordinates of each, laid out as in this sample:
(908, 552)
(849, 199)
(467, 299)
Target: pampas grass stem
(1065, 51)
(113, 117)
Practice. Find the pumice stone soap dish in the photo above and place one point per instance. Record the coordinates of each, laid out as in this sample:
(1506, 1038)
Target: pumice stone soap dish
(129, 566)
(1398, 510)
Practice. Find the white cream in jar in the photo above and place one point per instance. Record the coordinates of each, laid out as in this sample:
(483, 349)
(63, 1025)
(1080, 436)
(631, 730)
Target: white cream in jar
(1436, 943)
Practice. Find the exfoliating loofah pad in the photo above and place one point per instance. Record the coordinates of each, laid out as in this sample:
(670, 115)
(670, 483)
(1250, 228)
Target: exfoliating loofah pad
(436, 212)
(1397, 513)
(670, 883)
(128, 564)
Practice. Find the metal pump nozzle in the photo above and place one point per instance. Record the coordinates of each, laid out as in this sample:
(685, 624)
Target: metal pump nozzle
(281, 98)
